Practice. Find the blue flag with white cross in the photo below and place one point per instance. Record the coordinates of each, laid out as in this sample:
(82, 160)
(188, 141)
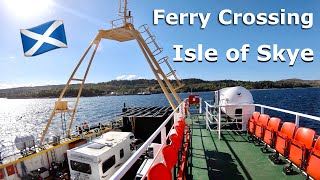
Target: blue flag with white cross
(43, 38)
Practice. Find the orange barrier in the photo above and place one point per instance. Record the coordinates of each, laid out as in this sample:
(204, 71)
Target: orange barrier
(159, 172)
(296, 146)
(313, 161)
(175, 140)
(252, 124)
(184, 162)
(171, 154)
(284, 137)
(260, 126)
(299, 146)
(270, 130)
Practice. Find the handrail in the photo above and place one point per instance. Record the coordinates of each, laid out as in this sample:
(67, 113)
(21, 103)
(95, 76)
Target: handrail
(262, 107)
(272, 108)
(158, 153)
(288, 112)
(130, 162)
(116, 23)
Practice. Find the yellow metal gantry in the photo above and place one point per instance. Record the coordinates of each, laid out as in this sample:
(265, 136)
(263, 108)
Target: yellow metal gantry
(122, 33)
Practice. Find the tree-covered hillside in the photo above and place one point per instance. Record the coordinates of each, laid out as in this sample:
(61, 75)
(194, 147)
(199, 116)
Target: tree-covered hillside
(124, 87)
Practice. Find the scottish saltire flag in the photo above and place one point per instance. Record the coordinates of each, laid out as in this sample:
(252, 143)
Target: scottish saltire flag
(43, 38)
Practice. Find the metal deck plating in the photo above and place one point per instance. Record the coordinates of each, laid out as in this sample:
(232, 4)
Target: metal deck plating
(231, 157)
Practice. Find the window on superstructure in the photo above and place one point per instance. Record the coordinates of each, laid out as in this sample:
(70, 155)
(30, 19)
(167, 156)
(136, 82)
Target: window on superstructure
(106, 165)
(80, 167)
(121, 153)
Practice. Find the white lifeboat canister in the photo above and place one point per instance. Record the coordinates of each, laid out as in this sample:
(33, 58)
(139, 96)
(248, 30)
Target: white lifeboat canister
(234, 101)
(24, 142)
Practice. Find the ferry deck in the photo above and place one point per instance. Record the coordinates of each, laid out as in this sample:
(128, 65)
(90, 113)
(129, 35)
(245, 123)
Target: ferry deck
(231, 157)
(208, 151)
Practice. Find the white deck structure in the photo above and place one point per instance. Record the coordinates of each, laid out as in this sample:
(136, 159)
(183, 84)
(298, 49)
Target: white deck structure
(100, 158)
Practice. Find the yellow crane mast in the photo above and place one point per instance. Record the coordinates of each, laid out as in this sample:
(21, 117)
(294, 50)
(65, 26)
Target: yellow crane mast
(122, 33)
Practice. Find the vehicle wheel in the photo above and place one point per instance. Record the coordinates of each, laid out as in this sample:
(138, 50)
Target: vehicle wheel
(264, 150)
(271, 157)
(257, 142)
(277, 161)
(287, 170)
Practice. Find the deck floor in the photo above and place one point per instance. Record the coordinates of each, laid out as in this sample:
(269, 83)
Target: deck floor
(232, 157)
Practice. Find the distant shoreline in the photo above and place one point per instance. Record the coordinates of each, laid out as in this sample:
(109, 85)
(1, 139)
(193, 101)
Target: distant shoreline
(148, 86)
(283, 88)
(155, 93)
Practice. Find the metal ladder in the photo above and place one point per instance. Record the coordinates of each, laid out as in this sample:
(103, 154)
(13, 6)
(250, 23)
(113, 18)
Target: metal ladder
(157, 50)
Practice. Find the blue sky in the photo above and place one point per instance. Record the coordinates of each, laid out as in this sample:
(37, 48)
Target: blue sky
(83, 19)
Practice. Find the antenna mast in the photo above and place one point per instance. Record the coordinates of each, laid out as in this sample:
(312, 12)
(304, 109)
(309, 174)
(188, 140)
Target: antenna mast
(123, 11)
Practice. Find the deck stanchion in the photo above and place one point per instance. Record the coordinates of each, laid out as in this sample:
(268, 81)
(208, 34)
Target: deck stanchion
(219, 122)
(297, 121)
(163, 135)
(200, 107)
(262, 110)
(207, 117)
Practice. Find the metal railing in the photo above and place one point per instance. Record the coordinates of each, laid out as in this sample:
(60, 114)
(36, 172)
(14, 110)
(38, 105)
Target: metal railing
(212, 117)
(296, 114)
(9, 151)
(177, 113)
(117, 23)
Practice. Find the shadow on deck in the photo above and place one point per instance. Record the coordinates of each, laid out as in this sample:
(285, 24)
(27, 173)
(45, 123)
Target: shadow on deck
(221, 166)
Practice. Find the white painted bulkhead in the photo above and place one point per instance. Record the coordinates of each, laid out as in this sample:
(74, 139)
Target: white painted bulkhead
(102, 157)
(36, 162)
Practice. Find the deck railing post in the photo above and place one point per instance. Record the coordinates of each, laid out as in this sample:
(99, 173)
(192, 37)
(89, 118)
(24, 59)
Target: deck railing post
(207, 116)
(163, 135)
(219, 122)
(200, 107)
(262, 110)
(297, 120)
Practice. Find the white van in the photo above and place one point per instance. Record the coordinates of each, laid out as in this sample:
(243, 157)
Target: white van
(100, 158)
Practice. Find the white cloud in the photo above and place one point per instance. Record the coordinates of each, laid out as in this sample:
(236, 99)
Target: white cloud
(100, 47)
(121, 77)
(31, 84)
(128, 77)
(5, 86)
(12, 58)
(79, 14)
(171, 77)
(14, 85)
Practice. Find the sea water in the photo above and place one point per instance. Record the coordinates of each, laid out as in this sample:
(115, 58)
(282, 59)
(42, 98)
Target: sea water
(29, 116)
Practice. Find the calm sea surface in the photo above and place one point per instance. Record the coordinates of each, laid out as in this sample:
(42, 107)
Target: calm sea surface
(29, 116)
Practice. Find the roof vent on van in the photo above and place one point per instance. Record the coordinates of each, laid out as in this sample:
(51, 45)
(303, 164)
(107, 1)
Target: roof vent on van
(96, 146)
(109, 144)
(109, 139)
